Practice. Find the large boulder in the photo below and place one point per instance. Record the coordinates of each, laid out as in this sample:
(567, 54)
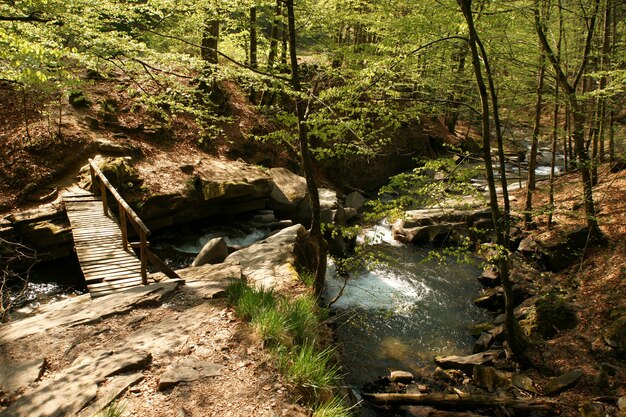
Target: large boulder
(556, 252)
(213, 252)
(45, 230)
(289, 196)
(271, 262)
(213, 188)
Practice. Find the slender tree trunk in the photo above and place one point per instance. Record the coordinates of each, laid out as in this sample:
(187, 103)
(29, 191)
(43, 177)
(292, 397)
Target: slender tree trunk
(453, 113)
(208, 52)
(284, 34)
(499, 139)
(532, 161)
(271, 57)
(316, 245)
(555, 126)
(555, 137)
(604, 65)
(253, 50)
(514, 336)
(570, 163)
(210, 37)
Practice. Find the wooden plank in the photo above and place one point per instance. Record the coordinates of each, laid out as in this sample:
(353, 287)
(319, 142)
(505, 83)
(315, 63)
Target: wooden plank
(106, 286)
(109, 276)
(97, 269)
(97, 280)
(128, 267)
(87, 255)
(119, 260)
(117, 283)
(114, 256)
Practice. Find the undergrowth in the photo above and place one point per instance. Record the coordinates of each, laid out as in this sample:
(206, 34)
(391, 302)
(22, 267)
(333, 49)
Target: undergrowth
(291, 329)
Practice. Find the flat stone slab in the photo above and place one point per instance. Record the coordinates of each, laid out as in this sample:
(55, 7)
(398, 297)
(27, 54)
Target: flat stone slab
(187, 370)
(84, 310)
(111, 392)
(14, 376)
(70, 390)
(168, 336)
(563, 382)
(218, 272)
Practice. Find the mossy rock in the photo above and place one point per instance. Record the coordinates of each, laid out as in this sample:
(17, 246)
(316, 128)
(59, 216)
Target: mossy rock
(615, 335)
(552, 314)
(119, 171)
(78, 99)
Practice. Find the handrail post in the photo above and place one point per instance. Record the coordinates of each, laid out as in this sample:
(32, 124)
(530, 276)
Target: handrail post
(122, 212)
(92, 172)
(143, 256)
(103, 195)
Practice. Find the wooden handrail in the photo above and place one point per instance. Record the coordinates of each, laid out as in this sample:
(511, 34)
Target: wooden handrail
(127, 213)
(131, 213)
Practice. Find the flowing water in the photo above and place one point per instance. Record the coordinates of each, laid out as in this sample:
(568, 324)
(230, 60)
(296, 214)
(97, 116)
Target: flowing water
(399, 315)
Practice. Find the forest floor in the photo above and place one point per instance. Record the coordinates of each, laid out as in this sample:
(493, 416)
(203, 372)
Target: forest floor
(595, 284)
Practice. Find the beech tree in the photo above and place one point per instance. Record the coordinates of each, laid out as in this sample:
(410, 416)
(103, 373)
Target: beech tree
(514, 336)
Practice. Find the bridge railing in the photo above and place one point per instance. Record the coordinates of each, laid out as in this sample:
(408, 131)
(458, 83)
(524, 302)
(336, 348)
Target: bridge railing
(100, 184)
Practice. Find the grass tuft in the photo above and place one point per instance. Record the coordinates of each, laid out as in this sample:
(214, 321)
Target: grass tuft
(290, 328)
(272, 326)
(332, 408)
(113, 410)
(249, 302)
(302, 318)
(309, 368)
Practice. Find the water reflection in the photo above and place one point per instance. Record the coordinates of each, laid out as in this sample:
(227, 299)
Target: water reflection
(400, 315)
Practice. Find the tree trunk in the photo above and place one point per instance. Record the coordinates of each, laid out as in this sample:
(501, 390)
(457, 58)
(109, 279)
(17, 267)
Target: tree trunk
(210, 37)
(514, 336)
(316, 246)
(253, 50)
(452, 116)
(284, 34)
(532, 161)
(555, 137)
(604, 66)
(499, 140)
(271, 57)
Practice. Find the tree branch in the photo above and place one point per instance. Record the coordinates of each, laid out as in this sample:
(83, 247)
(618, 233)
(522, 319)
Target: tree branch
(590, 30)
(413, 52)
(223, 55)
(30, 18)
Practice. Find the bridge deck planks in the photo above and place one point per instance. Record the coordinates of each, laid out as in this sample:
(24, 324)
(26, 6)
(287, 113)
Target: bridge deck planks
(106, 266)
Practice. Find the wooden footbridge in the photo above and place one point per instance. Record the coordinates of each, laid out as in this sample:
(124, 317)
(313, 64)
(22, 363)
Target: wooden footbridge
(106, 256)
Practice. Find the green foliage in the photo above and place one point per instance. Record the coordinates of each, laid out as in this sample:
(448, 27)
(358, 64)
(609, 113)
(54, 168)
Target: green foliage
(436, 182)
(272, 325)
